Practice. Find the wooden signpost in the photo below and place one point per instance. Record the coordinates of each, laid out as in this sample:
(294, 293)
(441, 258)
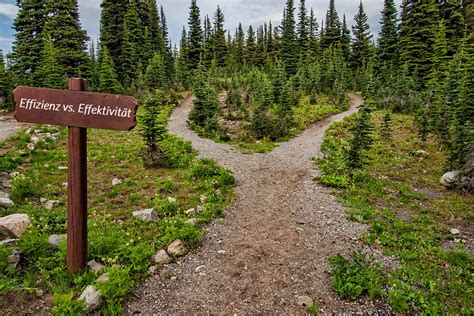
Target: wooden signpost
(78, 110)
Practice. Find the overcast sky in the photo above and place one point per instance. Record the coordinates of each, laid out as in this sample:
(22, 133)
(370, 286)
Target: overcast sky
(248, 12)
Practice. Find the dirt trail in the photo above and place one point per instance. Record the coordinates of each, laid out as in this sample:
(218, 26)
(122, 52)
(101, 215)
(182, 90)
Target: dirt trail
(272, 245)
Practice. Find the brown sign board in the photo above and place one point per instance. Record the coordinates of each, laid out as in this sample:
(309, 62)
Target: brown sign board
(75, 108)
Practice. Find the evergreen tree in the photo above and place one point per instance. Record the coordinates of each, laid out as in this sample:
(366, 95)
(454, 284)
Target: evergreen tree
(452, 15)
(388, 36)
(250, 47)
(129, 60)
(289, 44)
(346, 39)
(219, 43)
(29, 25)
(136, 37)
(155, 76)
(182, 64)
(108, 81)
(112, 27)
(6, 86)
(386, 128)
(195, 37)
(168, 54)
(155, 27)
(361, 43)
(49, 73)
(68, 37)
(332, 31)
(313, 35)
(240, 43)
(418, 31)
(303, 32)
(260, 54)
(361, 138)
(93, 67)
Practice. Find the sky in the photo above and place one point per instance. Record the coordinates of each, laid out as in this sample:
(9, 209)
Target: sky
(249, 12)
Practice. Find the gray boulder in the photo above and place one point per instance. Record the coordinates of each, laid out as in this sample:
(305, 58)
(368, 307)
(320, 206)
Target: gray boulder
(161, 258)
(95, 266)
(49, 205)
(177, 248)
(17, 224)
(450, 179)
(148, 215)
(55, 240)
(5, 202)
(91, 297)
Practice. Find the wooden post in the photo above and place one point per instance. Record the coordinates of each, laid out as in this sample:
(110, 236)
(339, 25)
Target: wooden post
(77, 192)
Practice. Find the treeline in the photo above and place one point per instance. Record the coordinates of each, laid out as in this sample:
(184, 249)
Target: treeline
(422, 62)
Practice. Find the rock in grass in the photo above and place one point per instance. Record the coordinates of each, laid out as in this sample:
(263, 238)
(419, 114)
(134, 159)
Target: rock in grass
(95, 266)
(14, 258)
(103, 278)
(35, 140)
(200, 209)
(91, 297)
(305, 301)
(191, 211)
(450, 179)
(192, 221)
(161, 258)
(5, 195)
(203, 199)
(14, 174)
(5, 202)
(8, 242)
(454, 231)
(49, 205)
(171, 199)
(152, 270)
(30, 146)
(116, 181)
(17, 224)
(55, 240)
(177, 248)
(148, 215)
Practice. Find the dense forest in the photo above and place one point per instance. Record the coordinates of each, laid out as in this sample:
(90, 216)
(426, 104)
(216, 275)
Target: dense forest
(421, 63)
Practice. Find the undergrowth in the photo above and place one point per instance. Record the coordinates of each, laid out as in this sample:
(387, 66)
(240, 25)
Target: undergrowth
(398, 195)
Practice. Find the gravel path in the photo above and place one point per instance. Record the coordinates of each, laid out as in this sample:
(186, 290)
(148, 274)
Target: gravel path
(8, 129)
(272, 245)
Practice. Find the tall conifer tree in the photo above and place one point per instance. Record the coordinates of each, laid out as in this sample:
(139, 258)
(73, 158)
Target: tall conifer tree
(289, 44)
(195, 36)
(361, 43)
(332, 31)
(303, 31)
(29, 25)
(50, 74)
(112, 26)
(218, 38)
(388, 36)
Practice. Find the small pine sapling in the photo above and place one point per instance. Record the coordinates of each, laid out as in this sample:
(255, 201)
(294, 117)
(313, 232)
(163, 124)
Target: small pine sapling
(362, 138)
(386, 128)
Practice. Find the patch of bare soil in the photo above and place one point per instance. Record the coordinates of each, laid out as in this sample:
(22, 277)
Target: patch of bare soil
(272, 245)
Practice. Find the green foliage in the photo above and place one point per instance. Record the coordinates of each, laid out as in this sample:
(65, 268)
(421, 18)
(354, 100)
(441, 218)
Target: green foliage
(361, 43)
(108, 81)
(49, 74)
(361, 138)
(174, 229)
(5, 252)
(65, 304)
(388, 37)
(335, 181)
(356, 277)
(6, 85)
(386, 128)
(195, 39)
(154, 128)
(116, 288)
(155, 73)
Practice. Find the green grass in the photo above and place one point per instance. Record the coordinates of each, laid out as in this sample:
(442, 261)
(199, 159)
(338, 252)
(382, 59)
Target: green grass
(124, 244)
(398, 195)
(304, 114)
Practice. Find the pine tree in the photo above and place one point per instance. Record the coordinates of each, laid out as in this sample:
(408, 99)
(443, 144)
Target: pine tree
(418, 30)
(361, 138)
(155, 76)
(49, 73)
(129, 60)
(240, 43)
(112, 28)
(388, 37)
(332, 32)
(29, 25)
(6, 86)
(313, 36)
(303, 32)
(260, 54)
(93, 75)
(289, 44)
(452, 15)
(346, 40)
(108, 81)
(68, 37)
(136, 38)
(250, 47)
(153, 130)
(386, 128)
(168, 54)
(155, 27)
(195, 37)
(219, 43)
(182, 64)
(361, 43)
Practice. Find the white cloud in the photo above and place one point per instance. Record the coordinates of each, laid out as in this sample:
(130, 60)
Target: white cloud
(8, 10)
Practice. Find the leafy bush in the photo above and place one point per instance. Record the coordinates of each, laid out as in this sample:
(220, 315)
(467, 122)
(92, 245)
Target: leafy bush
(174, 228)
(335, 181)
(34, 245)
(4, 253)
(120, 283)
(23, 187)
(65, 304)
(166, 208)
(356, 277)
(178, 153)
